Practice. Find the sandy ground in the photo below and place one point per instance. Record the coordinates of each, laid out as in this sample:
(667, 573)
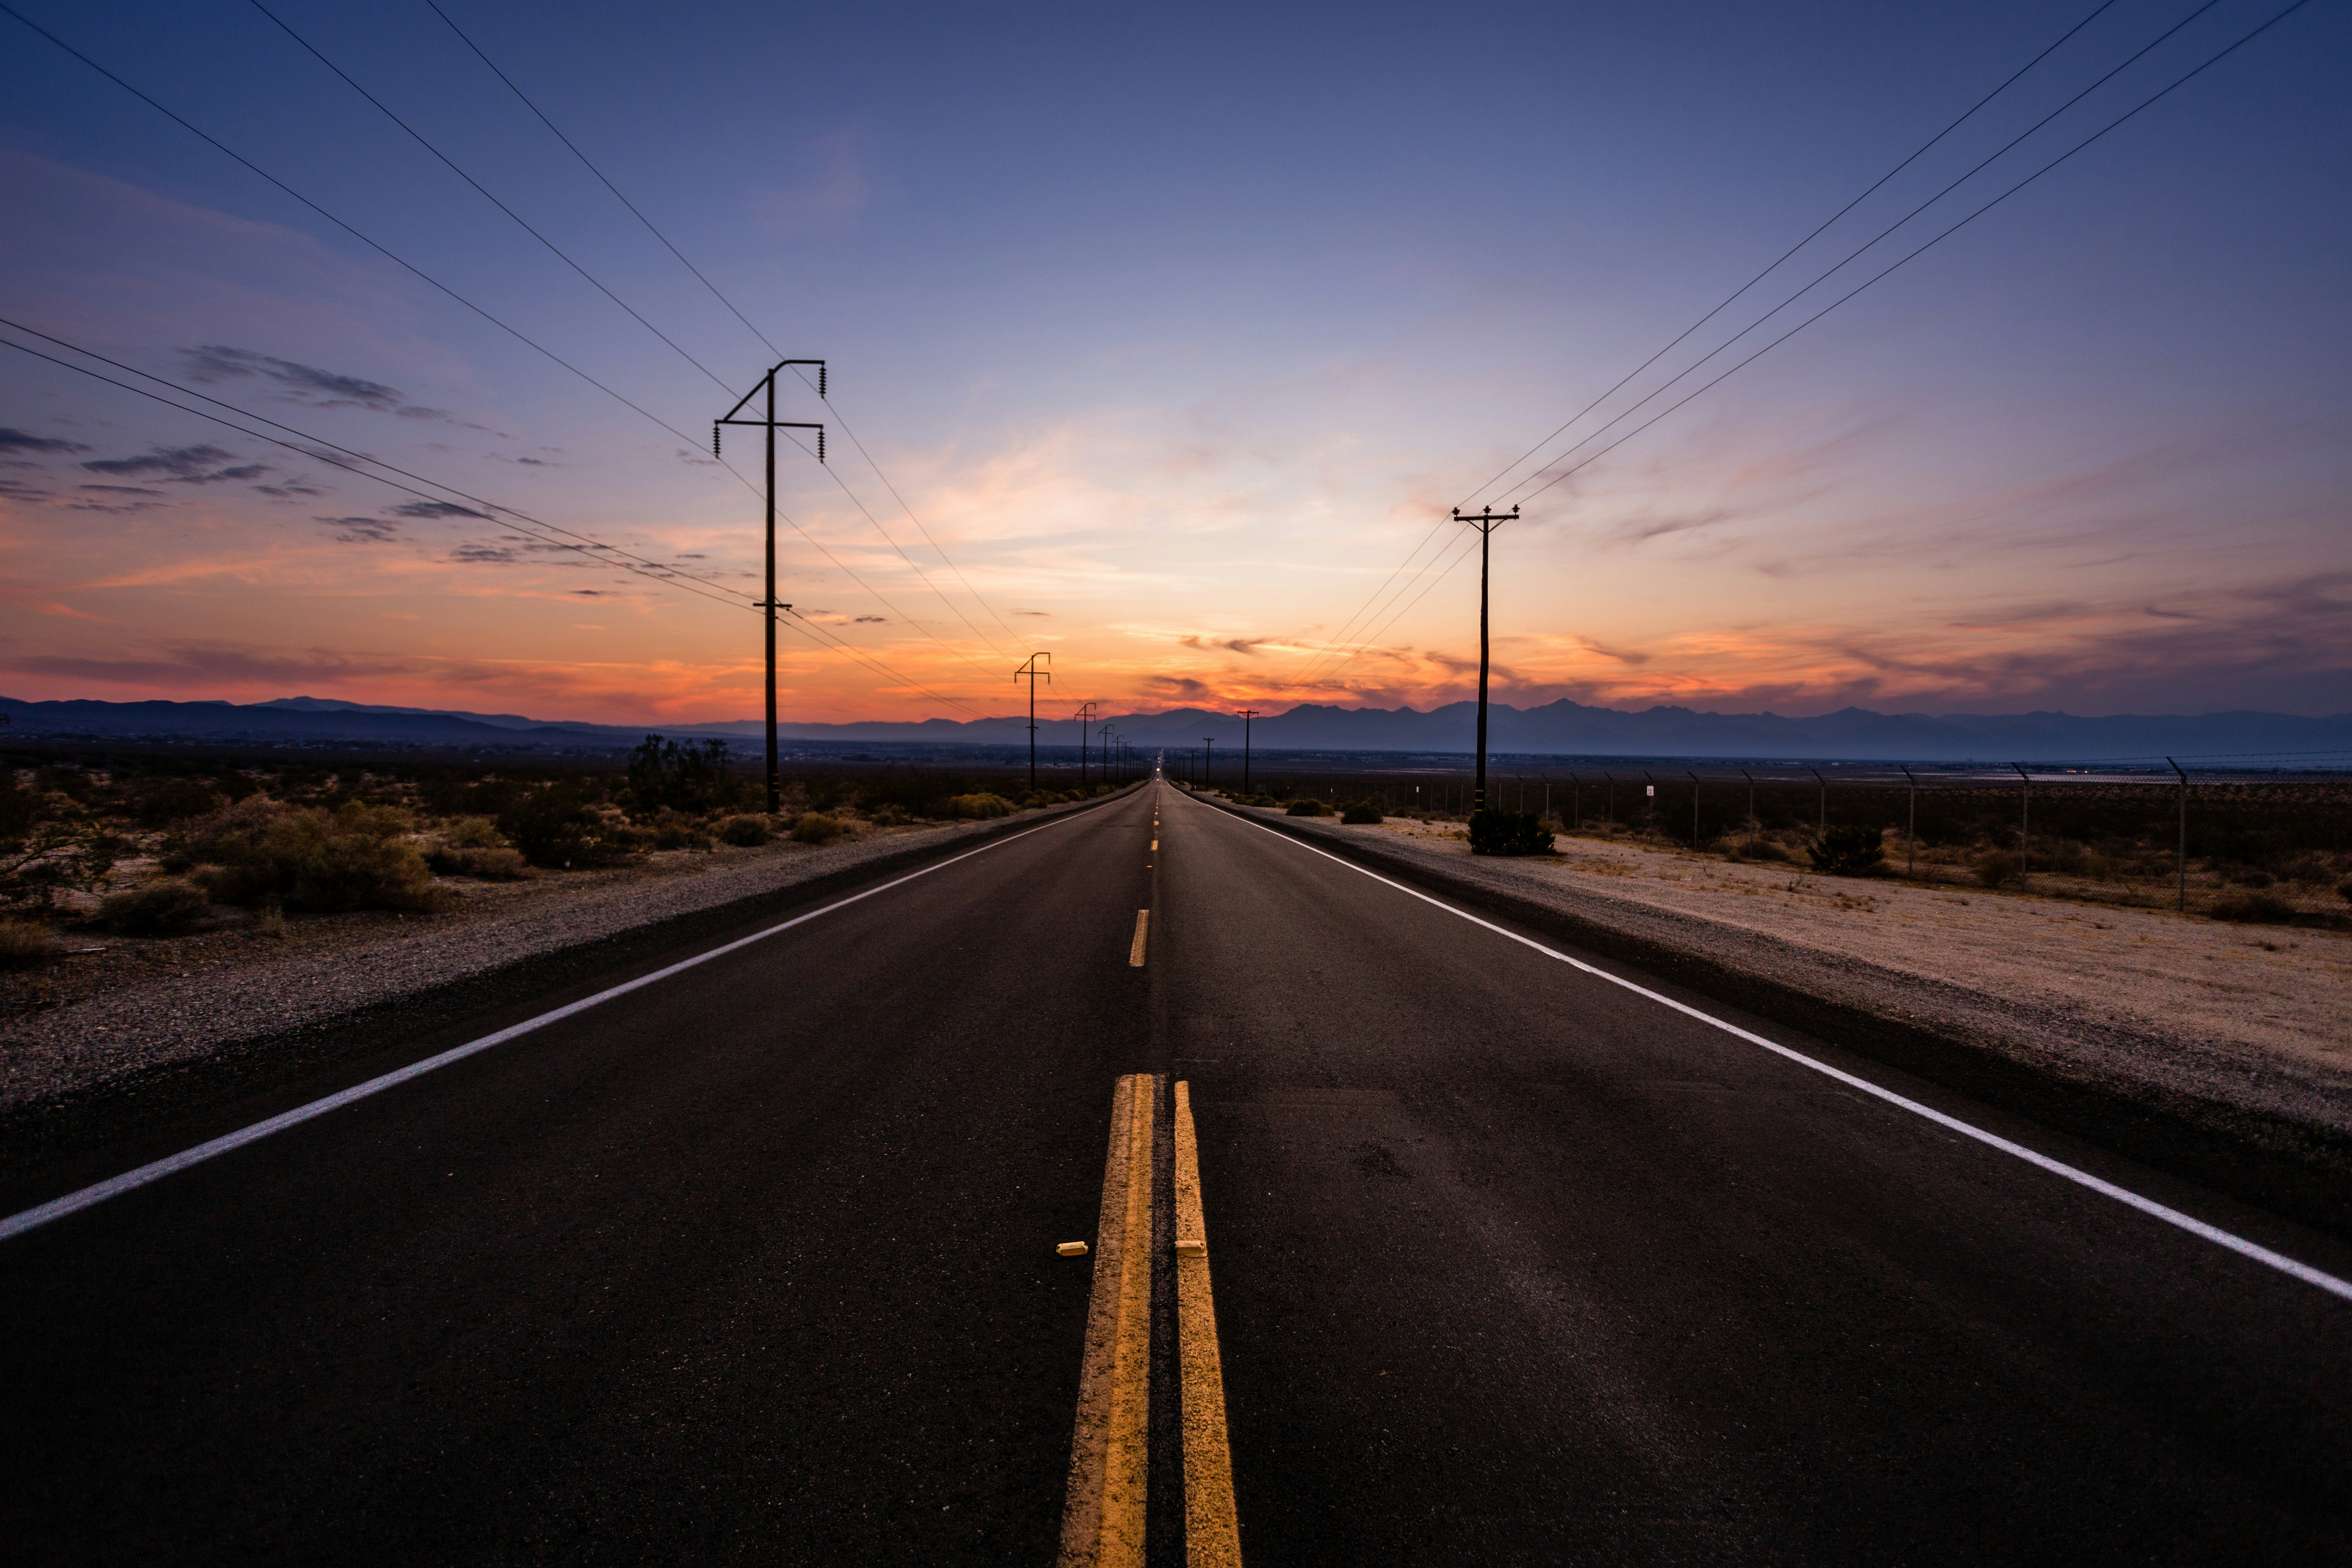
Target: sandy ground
(132, 1004)
(2255, 1016)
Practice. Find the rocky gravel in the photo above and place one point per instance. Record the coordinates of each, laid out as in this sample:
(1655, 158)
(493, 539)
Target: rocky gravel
(132, 1005)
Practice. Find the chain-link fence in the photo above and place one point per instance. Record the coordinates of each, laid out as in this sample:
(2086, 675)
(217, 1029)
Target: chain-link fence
(2255, 838)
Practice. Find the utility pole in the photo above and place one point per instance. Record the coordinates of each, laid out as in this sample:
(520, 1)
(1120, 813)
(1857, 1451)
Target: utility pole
(2184, 834)
(2024, 822)
(1086, 718)
(1825, 802)
(1247, 714)
(1911, 833)
(1693, 779)
(1751, 806)
(1208, 757)
(1030, 670)
(1485, 522)
(768, 604)
(1106, 728)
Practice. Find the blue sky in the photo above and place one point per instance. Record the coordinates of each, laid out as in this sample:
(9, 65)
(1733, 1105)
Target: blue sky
(1177, 331)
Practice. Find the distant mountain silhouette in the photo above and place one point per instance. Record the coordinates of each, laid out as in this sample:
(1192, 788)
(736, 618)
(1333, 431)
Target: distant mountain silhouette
(1556, 729)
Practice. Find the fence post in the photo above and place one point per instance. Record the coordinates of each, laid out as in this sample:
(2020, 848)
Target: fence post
(2183, 858)
(1825, 800)
(1751, 806)
(2024, 822)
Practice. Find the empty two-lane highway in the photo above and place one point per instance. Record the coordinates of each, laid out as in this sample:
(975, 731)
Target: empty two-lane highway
(1511, 1264)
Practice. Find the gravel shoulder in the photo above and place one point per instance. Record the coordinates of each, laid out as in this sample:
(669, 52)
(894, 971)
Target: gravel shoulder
(2235, 1030)
(137, 1005)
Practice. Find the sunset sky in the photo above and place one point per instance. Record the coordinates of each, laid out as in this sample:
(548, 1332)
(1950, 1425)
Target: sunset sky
(1179, 330)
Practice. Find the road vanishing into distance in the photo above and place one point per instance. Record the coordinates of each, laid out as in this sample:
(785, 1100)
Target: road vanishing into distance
(1511, 1264)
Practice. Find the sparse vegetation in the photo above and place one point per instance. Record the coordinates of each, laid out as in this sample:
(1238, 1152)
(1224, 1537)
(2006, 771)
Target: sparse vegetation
(2252, 909)
(163, 907)
(815, 828)
(1508, 833)
(355, 858)
(1307, 806)
(745, 832)
(1850, 850)
(24, 944)
(1360, 812)
(979, 806)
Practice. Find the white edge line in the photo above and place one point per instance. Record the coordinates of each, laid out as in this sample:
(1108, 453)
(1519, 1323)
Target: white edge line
(2189, 1222)
(114, 1186)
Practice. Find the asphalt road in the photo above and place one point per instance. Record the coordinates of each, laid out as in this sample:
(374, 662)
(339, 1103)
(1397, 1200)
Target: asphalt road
(1511, 1265)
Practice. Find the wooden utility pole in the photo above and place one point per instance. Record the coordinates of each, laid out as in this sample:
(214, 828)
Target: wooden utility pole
(1030, 670)
(1485, 522)
(768, 604)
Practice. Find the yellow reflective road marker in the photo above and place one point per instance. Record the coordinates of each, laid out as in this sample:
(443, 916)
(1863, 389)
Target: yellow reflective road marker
(1142, 925)
(1212, 1527)
(1155, 843)
(1102, 1519)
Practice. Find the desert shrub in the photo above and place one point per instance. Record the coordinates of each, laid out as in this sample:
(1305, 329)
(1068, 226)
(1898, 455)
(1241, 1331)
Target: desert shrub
(24, 944)
(1359, 811)
(1303, 808)
(815, 827)
(350, 858)
(556, 826)
(1508, 833)
(1849, 850)
(1997, 868)
(493, 865)
(2253, 908)
(2248, 876)
(2344, 889)
(891, 814)
(473, 833)
(982, 805)
(744, 832)
(692, 776)
(670, 830)
(158, 909)
(159, 800)
(19, 809)
(1762, 849)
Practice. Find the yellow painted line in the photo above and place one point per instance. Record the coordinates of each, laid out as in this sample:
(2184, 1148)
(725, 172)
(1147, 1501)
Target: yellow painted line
(1102, 1517)
(1142, 925)
(1155, 844)
(1212, 1537)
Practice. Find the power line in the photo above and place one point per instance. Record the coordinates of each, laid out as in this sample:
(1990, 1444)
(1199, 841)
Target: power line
(484, 190)
(2207, 64)
(1833, 269)
(607, 555)
(385, 251)
(608, 184)
(1733, 297)
(2198, 69)
(575, 149)
(1726, 302)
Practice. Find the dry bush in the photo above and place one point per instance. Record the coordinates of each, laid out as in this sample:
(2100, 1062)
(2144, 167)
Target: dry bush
(24, 944)
(2250, 909)
(982, 805)
(351, 859)
(1997, 868)
(815, 827)
(745, 832)
(1306, 808)
(1360, 812)
(163, 907)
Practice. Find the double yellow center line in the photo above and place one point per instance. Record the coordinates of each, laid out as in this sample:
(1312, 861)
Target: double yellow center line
(1103, 1518)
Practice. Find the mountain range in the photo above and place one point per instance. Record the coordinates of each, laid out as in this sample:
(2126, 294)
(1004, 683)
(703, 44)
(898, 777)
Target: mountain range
(1556, 729)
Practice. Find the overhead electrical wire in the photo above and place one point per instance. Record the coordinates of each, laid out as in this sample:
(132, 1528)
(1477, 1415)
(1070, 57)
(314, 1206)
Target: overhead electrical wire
(596, 549)
(451, 164)
(1832, 270)
(2208, 63)
(1727, 302)
(1338, 636)
(573, 148)
(1732, 297)
(418, 272)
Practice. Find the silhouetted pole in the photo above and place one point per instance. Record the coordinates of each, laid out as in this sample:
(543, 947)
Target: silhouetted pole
(1911, 833)
(1751, 806)
(1485, 522)
(2024, 822)
(1106, 728)
(1825, 799)
(2184, 834)
(1030, 670)
(1693, 779)
(1085, 717)
(1247, 714)
(1208, 758)
(767, 606)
